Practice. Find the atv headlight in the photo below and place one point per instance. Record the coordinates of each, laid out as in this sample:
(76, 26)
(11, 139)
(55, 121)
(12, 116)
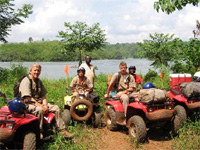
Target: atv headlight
(81, 107)
(169, 107)
(68, 100)
(150, 109)
(9, 124)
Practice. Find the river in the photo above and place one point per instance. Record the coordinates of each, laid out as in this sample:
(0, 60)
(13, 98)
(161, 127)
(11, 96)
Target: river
(55, 70)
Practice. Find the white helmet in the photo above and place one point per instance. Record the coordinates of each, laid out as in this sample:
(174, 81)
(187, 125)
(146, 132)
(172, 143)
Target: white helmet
(197, 76)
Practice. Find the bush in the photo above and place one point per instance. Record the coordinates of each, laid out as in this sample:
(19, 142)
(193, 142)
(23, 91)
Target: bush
(9, 76)
(188, 138)
(150, 75)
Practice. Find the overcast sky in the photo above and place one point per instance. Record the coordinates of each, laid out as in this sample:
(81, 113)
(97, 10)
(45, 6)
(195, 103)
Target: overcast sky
(124, 21)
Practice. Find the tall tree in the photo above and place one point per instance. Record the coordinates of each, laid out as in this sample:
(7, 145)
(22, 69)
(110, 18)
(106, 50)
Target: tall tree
(161, 48)
(9, 16)
(80, 37)
(188, 59)
(30, 39)
(170, 6)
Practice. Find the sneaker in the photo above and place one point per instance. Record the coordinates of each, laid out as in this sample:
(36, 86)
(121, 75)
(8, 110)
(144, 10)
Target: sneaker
(66, 134)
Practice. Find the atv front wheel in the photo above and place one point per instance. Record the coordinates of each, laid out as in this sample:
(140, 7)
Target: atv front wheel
(111, 119)
(81, 115)
(66, 116)
(29, 142)
(97, 120)
(179, 118)
(137, 129)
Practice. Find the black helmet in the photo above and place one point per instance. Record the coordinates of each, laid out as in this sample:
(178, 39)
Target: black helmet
(81, 69)
(132, 67)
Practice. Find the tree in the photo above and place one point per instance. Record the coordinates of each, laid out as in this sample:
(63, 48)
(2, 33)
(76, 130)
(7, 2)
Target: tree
(9, 16)
(161, 48)
(170, 6)
(30, 39)
(80, 37)
(188, 59)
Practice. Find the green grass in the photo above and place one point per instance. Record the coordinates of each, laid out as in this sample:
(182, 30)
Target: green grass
(189, 136)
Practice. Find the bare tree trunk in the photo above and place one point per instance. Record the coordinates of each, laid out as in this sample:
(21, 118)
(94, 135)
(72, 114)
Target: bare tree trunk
(80, 59)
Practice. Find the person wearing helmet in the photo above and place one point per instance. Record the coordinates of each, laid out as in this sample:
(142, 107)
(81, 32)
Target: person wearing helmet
(123, 82)
(89, 69)
(196, 76)
(16, 106)
(34, 95)
(137, 78)
(81, 82)
(148, 85)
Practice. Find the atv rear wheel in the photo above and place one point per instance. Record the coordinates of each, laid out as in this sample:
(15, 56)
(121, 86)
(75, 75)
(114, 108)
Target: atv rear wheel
(97, 120)
(81, 115)
(29, 142)
(111, 119)
(137, 129)
(66, 116)
(179, 118)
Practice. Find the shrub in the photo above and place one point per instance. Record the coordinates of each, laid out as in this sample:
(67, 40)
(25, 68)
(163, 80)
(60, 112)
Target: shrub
(188, 136)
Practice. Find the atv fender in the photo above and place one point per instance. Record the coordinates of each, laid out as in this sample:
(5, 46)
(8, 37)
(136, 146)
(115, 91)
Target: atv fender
(181, 99)
(137, 105)
(116, 104)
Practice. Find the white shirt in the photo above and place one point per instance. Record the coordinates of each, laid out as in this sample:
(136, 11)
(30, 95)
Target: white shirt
(89, 72)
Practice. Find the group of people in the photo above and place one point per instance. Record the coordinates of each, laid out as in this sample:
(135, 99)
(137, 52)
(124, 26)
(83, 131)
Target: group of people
(34, 92)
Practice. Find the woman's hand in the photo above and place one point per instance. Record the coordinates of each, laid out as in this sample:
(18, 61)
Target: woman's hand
(45, 109)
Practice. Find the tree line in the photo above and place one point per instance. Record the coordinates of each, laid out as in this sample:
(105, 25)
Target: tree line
(53, 51)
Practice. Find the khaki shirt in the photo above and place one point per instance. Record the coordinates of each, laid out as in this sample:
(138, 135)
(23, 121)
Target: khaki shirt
(124, 82)
(37, 90)
(86, 84)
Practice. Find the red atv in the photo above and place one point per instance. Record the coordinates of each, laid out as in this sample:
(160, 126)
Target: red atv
(141, 116)
(191, 104)
(21, 131)
(18, 131)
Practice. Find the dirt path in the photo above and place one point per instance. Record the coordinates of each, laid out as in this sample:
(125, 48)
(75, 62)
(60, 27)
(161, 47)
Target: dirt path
(120, 140)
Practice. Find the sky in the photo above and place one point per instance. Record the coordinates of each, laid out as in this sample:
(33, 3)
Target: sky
(124, 21)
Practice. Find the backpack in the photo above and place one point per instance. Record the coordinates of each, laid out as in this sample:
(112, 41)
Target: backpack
(153, 95)
(17, 84)
(190, 89)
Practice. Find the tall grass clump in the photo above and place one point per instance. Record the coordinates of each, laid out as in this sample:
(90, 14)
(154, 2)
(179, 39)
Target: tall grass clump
(189, 136)
(9, 76)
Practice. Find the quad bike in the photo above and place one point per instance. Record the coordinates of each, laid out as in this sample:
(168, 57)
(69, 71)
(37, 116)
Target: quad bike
(19, 131)
(22, 130)
(191, 104)
(140, 116)
(81, 108)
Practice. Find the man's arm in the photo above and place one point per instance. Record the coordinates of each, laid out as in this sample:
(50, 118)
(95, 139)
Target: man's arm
(73, 85)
